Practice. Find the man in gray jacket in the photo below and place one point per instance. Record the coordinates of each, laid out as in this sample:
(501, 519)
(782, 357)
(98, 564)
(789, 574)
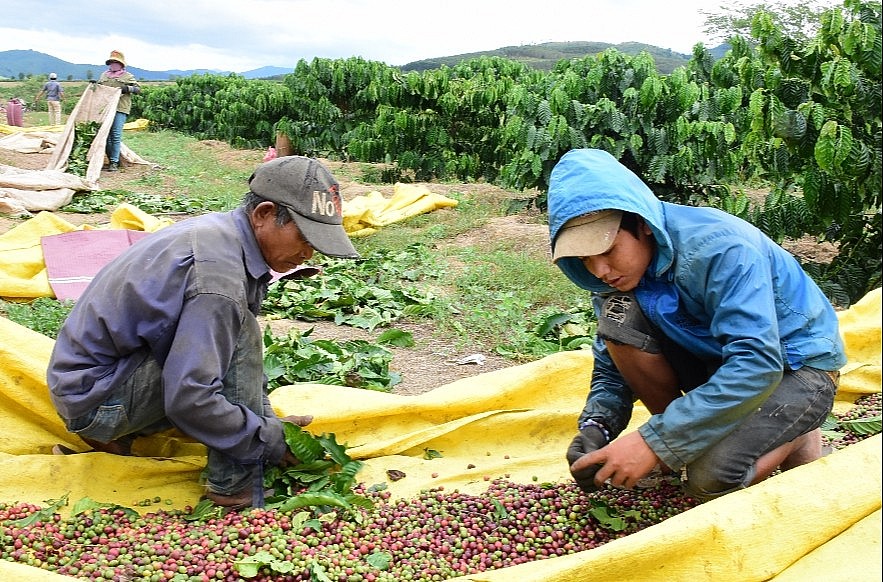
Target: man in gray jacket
(166, 335)
(54, 93)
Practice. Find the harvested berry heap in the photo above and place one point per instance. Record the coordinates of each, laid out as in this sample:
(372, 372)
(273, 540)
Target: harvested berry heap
(436, 536)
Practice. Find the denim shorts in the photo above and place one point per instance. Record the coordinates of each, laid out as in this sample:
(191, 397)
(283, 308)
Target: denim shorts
(133, 409)
(799, 404)
(623, 322)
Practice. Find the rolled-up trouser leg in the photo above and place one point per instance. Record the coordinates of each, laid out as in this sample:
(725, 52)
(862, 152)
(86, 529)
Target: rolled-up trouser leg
(799, 405)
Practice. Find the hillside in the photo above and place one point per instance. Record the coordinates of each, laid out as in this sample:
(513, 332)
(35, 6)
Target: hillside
(544, 56)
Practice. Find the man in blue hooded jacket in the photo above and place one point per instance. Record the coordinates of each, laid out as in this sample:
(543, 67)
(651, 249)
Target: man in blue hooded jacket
(716, 329)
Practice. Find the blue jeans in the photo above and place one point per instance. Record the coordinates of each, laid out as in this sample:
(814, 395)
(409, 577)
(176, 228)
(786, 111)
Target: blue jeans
(115, 137)
(136, 409)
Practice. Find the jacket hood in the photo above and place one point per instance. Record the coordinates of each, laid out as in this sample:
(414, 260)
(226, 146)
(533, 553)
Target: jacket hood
(589, 180)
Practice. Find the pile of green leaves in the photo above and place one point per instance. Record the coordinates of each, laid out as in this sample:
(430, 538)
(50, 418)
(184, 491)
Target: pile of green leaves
(367, 293)
(355, 363)
(84, 134)
(43, 315)
(104, 200)
(323, 480)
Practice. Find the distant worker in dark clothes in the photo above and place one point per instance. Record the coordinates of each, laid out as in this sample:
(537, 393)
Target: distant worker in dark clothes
(166, 334)
(717, 330)
(117, 76)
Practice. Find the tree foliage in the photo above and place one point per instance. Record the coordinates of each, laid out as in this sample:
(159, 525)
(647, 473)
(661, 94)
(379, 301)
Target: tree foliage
(795, 102)
(799, 21)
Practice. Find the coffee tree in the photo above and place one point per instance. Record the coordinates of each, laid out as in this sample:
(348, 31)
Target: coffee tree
(800, 112)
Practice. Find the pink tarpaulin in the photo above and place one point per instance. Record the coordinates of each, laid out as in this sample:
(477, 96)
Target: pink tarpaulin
(74, 258)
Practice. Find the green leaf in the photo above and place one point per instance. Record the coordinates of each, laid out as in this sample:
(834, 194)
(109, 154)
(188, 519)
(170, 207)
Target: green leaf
(317, 573)
(380, 560)
(552, 322)
(609, 519)
(863, 426)
(326, 498)
(88, 504)
(333, 448)
(500, 512)
(45, 515)
(301, 443)
(396, 337)
(248, 568)
(430, 454)
(203, 510)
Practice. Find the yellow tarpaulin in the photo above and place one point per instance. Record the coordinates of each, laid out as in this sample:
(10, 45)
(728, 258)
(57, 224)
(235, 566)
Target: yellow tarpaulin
(822, 518)
(363, 215)
(22, 267)
(135, 125)
(23, 270)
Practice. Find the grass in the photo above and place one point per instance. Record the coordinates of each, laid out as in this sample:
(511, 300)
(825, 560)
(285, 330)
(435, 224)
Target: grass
(43, 315)
(189, 171)
(488, 292)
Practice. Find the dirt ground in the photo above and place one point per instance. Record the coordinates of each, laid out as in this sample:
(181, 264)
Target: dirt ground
(433, 361)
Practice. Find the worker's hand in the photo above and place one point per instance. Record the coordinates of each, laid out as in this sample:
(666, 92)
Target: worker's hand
(289, 460)
(622, 463)
(588, 440)
(300, 421)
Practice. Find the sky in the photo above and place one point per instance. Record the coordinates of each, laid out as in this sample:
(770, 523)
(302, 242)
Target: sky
(222, 35)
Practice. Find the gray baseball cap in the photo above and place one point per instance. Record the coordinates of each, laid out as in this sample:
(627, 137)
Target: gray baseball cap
(312, 196)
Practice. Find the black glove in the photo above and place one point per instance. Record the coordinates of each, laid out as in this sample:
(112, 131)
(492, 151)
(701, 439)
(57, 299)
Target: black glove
(124, 89)
(589, 439)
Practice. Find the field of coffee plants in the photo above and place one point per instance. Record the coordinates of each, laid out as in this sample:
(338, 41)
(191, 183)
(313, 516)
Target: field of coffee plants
(802, 115)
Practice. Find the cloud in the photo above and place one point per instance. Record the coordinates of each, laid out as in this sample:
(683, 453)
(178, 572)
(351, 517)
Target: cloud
(239, 36)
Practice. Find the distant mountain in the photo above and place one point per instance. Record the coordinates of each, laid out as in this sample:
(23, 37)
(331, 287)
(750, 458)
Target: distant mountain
(267, 72)
(17, 63)
(545, 55)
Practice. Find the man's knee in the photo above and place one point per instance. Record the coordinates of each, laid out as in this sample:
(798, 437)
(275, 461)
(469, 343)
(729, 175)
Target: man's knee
(622, 322)
(707, 481)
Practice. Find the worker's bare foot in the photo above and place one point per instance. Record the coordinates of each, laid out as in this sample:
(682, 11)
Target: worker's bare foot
(807, 448)
(121, 446)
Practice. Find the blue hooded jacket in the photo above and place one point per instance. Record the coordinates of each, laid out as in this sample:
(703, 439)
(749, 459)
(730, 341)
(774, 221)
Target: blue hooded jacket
(717, 286)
